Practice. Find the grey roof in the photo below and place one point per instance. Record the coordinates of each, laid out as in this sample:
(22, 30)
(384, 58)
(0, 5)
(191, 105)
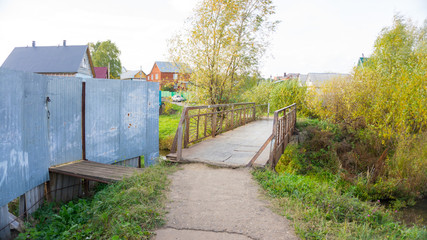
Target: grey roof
(171, 67)
(129, 74)
(302, 78)
(46, 59)
(317, 79)
(167, 66)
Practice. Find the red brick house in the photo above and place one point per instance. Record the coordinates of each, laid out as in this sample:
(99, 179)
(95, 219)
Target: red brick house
(167, 72)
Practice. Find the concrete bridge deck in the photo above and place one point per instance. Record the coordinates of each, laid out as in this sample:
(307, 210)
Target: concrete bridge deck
(235, 148)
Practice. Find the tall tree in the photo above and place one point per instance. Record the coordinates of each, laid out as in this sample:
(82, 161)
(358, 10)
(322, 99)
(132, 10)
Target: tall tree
(104, 53)
(223, 44)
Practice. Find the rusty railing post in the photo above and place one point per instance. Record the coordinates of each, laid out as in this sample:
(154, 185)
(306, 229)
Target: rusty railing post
(254, 113)
(187, 130)
(214, 123)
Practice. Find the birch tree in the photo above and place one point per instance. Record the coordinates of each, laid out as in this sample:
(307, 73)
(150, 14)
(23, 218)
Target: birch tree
(104, 53)
(222, 44)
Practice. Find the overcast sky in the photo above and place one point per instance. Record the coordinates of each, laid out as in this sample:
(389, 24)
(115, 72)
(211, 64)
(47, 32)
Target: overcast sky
(313, 36)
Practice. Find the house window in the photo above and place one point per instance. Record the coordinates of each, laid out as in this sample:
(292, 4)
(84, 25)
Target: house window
(175, 76)
(84, 63)
(157, 76)
(148, 77)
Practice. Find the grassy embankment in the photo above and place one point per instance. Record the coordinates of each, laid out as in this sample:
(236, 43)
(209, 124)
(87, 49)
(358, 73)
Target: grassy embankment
(168, 123)
(129, 209)
(316, 193)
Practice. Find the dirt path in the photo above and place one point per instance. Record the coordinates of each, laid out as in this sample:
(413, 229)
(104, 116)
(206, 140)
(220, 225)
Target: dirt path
(218, 203)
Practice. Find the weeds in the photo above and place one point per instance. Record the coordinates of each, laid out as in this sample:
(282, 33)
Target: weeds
(129, 209)
(321, 211)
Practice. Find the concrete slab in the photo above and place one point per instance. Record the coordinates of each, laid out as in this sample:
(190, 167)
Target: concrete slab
(220, 203)
(234, 148)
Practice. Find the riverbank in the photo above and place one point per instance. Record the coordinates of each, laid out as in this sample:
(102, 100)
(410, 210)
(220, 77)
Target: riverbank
(319, 210)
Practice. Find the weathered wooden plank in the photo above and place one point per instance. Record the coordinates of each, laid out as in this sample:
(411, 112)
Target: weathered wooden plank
(92, 171)
(22, 207)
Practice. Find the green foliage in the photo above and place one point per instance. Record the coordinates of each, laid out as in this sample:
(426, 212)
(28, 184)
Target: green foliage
(104, 53)
(223, 45)
(389, 91)
(168, 125)
(291, 160)
(286, 93)
(167, 107)
(260, 94)
(129, 209)
(383, 108)
(168, 87)
(408, 166)
(320, 211)
(279, 95)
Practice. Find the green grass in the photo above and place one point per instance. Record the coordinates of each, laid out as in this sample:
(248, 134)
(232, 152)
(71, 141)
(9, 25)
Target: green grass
(129, 209)
(167, 127)
(318, 210)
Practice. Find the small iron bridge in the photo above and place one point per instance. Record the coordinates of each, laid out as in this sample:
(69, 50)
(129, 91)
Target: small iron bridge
(232, 135)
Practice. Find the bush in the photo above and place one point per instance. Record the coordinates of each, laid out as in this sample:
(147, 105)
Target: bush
(260, 94)
(409, 166)
(170, 87)
(290, 161)
(286, 93)
(388, 92)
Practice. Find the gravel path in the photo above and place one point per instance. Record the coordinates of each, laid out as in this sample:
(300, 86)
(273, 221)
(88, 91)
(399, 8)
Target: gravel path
(219, 203)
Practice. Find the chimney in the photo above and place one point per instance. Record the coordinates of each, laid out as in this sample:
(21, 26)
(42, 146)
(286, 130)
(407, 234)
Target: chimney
(34, 43)
(64, 43)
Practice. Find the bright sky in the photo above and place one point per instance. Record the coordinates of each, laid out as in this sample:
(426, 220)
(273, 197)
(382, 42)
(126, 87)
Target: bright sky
(313, 36)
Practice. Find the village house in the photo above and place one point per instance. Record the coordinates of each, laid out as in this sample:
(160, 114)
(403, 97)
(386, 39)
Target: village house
(137, 75)
(71, 61)
(317, 80)
(168, 72)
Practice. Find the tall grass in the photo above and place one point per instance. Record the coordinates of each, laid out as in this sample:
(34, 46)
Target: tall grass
(319, 210)
(129, 209)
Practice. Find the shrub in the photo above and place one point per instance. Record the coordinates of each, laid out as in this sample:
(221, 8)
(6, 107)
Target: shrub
(388, 92)
(260, 94)
(286, 93)
(290, 161)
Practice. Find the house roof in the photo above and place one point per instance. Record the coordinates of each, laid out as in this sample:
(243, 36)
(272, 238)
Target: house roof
(167, 66)
(53, 59)
(302, 78)
(317, 79)
(130, 74)
(101, 72)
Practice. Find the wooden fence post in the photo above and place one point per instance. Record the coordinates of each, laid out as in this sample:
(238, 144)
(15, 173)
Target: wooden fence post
(179, 135)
